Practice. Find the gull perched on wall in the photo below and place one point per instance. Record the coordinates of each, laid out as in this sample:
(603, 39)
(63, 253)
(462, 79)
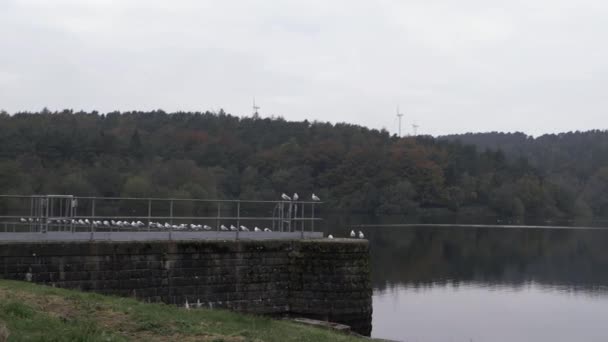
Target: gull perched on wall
(285, 197)
(315, 198)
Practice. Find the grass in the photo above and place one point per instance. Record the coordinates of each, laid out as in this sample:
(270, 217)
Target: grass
(30, 312)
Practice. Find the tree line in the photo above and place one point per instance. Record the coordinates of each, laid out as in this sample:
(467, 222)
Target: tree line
(352, 168)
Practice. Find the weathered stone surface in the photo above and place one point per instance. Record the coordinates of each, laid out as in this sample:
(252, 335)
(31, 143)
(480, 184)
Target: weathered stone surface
(318, 279)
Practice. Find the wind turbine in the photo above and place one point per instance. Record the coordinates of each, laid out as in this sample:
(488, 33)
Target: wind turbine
(415, 129)
(255, 109)
(399, 115)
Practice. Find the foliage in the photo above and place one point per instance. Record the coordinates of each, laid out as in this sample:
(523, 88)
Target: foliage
(352, 168)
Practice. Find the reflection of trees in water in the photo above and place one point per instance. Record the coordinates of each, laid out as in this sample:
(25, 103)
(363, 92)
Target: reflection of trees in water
(423, 256)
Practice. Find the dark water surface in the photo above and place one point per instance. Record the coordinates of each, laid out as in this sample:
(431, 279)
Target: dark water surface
(436, 284)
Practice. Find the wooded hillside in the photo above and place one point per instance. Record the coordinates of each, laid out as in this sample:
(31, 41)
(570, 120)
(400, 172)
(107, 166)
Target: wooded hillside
(352, 168)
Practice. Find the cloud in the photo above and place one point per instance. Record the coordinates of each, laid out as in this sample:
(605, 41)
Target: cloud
(452, 66)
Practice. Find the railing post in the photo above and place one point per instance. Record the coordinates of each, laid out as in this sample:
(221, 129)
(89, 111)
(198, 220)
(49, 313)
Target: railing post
(149, 213)
(238, 218)
(219, 212)
(31, 212)
(312, 221)
(92, 214)
(72, 211)
(303, 221)
(171, 212)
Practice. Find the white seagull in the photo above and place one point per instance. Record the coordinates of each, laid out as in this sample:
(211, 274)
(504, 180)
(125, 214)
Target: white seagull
(352, 234)
(233, 228)
(245, 229)
(22, 220)
(206, 227)
(256, 229)
(361, 236)
(315, 197)
(285, 197)
(295, 196)
(267, 230)
(224, 228)
(330, 236)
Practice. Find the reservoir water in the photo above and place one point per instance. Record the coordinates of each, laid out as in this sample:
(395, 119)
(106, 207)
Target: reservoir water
(468, 284)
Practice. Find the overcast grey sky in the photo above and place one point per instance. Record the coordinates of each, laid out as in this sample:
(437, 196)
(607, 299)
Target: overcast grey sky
(453, 66)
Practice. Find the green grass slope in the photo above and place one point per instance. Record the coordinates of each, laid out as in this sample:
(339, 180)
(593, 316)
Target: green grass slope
(30, 312)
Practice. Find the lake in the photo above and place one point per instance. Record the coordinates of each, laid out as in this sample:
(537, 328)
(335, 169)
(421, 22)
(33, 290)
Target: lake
(436, 284)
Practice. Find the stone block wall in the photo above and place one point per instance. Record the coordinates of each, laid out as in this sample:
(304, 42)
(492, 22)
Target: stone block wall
(321, 279)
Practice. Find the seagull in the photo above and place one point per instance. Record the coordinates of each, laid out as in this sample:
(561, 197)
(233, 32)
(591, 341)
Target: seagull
(256, 229)
(113, 222)
(167, 225)
(295, 196)
(315, 197)
(30, 219)
(141, 224)
(361, 236)
(224, 228)
(106, 223)
(206, 227)
(233, 228)
(330, 236)
(245, 229)
(352, 234)
(87, 221)
(22, 220)
(285, 197)
(267, 230)
(187, 306)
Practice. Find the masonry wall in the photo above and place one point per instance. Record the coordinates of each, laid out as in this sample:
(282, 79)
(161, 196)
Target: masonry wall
(320, 279)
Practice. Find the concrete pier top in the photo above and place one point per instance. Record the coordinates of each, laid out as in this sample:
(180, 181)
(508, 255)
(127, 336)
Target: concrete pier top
(154, 236)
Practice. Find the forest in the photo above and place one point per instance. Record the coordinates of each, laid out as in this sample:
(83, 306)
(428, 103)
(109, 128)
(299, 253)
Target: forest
(215, 155)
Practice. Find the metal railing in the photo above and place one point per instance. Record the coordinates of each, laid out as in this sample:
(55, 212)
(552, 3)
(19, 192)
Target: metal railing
(68, 213)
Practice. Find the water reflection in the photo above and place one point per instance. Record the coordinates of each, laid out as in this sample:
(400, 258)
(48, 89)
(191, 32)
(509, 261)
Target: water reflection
(418, 256)
(472, 284)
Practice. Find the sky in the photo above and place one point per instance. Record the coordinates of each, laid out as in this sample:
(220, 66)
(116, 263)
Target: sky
(535, 66)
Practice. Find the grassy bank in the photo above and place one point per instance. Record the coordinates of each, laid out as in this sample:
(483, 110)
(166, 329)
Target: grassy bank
(39, 313)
